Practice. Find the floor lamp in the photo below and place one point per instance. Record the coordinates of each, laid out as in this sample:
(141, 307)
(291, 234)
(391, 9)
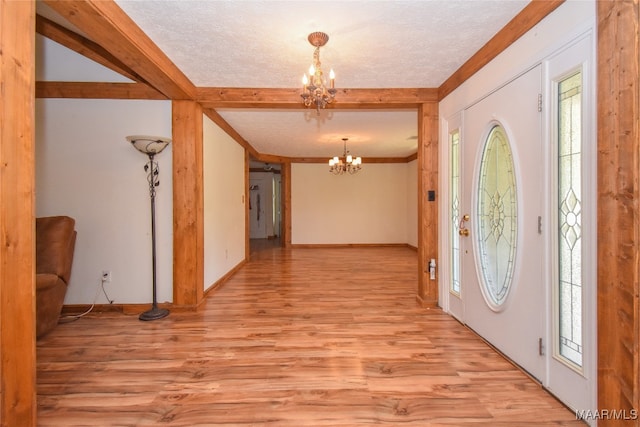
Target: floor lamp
(151, 145)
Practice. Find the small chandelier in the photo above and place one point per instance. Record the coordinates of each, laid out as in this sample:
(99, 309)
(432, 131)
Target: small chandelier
(346, 163)
(314, 89)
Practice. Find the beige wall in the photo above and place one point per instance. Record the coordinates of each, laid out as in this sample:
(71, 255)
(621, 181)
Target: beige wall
(224, 229)
(369, 207)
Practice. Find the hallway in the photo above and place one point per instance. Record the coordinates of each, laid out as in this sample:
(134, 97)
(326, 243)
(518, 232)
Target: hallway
(298, 337)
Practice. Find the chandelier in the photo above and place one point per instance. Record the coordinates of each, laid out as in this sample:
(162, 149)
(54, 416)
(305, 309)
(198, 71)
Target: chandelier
(314, 87)
(346, 163)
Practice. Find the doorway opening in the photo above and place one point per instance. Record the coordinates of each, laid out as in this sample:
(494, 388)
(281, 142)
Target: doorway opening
(265, 205)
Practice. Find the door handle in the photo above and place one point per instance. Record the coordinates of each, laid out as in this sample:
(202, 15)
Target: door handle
(462, 229)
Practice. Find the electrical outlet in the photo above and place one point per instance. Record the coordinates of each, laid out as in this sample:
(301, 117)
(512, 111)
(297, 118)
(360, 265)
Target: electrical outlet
(106, 276)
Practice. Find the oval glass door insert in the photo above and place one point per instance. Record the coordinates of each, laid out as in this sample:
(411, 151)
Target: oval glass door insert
(496, 218)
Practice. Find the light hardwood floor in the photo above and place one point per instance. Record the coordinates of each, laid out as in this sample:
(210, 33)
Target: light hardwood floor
(298, 337)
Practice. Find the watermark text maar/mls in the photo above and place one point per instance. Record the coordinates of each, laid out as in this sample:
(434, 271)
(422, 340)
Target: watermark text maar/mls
(607, 414)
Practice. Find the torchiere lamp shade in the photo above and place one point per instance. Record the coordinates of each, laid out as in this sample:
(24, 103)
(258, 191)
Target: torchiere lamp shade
(149, 144)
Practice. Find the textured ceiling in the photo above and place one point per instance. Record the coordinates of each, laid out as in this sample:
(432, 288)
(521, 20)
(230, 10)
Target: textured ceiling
(372, 44)
(303, 133)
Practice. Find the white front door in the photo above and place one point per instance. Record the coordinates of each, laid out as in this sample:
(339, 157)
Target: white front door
(523, 194)
(501, 245)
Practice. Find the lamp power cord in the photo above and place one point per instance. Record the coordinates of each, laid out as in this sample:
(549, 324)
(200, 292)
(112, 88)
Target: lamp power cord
(74, 317)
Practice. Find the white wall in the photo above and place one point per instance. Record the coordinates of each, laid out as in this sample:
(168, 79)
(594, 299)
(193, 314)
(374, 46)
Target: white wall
(86, 169)
(224, 208)
(368, 207)
(55, 62)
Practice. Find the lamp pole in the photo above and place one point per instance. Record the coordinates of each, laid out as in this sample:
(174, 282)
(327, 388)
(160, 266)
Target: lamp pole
(153, 177)
(151, 145)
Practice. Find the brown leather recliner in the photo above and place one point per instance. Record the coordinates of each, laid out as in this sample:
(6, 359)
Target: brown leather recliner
(55, 244)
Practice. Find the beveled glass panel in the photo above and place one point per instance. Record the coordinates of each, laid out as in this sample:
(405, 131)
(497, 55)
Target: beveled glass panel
(497, 217)
(454, 211)
(570, 218)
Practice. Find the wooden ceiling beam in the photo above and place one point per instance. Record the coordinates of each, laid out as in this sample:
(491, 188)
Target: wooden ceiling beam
(528, 17)
(108, 26)
(212, 97)
(93, 90)
(365, 160)
(83, 46)
(271, 158)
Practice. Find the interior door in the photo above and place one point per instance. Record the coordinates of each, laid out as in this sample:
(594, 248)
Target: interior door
(257, 211)
(501, 249)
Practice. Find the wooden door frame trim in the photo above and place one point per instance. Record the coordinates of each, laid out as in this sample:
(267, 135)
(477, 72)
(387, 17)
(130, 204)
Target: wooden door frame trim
(618, 173)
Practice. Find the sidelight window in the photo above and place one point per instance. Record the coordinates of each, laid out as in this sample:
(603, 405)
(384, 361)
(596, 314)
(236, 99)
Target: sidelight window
(454, 211)
(569, 238)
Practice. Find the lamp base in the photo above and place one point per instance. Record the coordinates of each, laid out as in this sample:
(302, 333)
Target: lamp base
(154, 313)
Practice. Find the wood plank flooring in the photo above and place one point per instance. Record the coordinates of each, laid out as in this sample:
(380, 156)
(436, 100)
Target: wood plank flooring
(298, 337)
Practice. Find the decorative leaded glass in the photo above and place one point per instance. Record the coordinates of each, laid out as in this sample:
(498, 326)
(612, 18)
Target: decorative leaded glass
(569, 218)
(497, 217)
(454, 211)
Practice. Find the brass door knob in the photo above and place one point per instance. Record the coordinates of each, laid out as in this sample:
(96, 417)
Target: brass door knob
(462, 229)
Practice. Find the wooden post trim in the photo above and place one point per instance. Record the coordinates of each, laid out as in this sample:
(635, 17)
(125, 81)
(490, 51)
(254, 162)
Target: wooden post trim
(427, 210)
(17, 212)
(618, 208)
(188, 204)
(286, 204)
(247, 213)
